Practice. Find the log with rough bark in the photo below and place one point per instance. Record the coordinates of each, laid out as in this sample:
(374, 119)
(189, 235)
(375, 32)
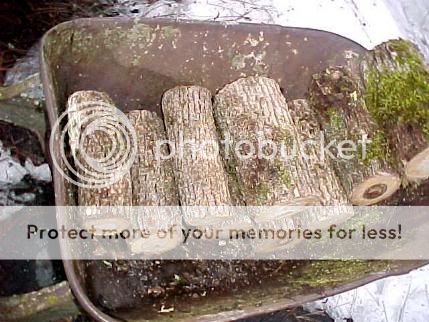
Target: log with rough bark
(252, 110)
(98, 145)
(264, 156)
(396, 84)
(320, 168)
(322, 176)
(153, 184)
(358, 147)
(199, 170)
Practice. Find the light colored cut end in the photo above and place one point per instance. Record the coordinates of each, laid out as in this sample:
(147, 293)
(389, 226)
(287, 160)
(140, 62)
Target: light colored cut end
(107, 226)
(284, 209)
(154, 245)
(225, 225)
(375, 189)
(281, 240)
(273, 246)
(418, 167)
(314, 219)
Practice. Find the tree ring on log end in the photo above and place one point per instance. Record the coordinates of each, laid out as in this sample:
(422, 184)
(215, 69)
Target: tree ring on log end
(274, 246)
(221, 223)
(375, 189)
(107, 226)
(417, 168)
(282, 218)
(153, 244)
(290, 208)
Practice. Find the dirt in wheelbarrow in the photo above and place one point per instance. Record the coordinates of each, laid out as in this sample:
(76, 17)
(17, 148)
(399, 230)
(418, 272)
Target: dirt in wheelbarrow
(157, 289)
(186, 290)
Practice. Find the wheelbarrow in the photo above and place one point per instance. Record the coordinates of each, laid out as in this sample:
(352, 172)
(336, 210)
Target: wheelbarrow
(136, 61)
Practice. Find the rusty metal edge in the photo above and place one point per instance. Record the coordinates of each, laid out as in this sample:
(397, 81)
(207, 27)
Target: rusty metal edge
(69, 268)
(252, 312)
(59, 189)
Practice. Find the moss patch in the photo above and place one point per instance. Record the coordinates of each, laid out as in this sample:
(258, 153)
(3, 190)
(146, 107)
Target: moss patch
(336, 122)
(329, 273)
(262, 190)
(283, 173)
(376, 149)
(400, 94)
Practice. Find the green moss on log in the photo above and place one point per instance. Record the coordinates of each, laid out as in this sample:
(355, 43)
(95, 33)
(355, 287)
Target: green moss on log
(336, 122)
(283, 174)
(262, 190)
(378, 148)
(401, 94)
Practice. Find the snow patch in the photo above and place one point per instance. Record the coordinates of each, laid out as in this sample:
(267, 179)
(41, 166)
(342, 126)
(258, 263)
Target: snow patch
(394, 299)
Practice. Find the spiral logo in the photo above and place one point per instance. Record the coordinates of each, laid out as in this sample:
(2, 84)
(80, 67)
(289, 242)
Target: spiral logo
(102, 141)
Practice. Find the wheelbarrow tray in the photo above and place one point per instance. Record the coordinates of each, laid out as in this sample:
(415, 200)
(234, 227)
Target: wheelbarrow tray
(136, 61)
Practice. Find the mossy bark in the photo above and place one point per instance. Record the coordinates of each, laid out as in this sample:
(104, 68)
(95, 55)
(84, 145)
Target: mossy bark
(200, 174)
(152, 177)
(153, 184)
(322, 176)
(252, 111)
(396, 81)
(366, 172)
(97, 145)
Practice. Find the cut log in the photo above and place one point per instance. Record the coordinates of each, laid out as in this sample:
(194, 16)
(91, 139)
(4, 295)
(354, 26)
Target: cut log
(319, 176)
(366, 170)
(396, 81)
(323, 177)
(293, 218)
(250, 112)
(320, 168)
(98, 146)
(199, 170)
(153, 184)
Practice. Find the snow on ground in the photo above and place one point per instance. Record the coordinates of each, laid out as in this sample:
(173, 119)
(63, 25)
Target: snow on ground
(23, 68)
(368, 22)
(412, 17)
(394, 299)
(12, 172)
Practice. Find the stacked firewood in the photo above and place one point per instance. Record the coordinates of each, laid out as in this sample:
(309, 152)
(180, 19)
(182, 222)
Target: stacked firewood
(275, 156)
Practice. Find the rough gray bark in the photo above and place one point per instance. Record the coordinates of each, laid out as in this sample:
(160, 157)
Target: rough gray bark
(396, 80)
(199, 169)
(368, 178)
(97, 145)
(152, 177)
(247, 112)
(320, 168)
(153, 184)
